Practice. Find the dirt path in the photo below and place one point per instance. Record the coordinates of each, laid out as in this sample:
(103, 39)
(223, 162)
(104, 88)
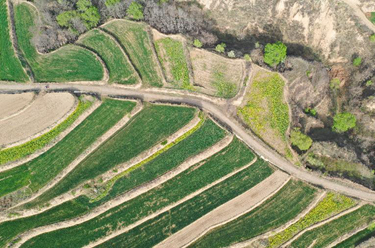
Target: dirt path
(62, 135)
(132, 193)
(228, 211)
(357, 10)
(14, 104)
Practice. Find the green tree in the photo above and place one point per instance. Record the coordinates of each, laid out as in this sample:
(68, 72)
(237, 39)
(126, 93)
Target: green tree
(64, 18)
(111, 2)
(220, 48)
(197, 43)
(300, 140)
(369, 83)
(231, 54)
(357, 61)
(274, 53)
(247, 57)
(343, 122)
(91, 17)
(135, 11)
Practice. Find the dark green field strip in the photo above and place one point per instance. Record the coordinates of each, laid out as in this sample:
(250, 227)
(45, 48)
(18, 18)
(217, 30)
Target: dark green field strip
(120, 71)
(14, 179)
(10, 66)
(358, 238)
(134, 38)
(45, 167)
(149, 127)
(17, 152)
(328, 233)
(233, 157)
(285, 205)
(70, 63)
(171, 55)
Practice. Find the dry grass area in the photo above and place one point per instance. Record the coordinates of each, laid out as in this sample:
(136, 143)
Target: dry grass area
(46, 111)
(217, 75)
(11, 104)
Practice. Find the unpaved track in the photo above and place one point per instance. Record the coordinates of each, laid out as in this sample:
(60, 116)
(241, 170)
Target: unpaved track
(46, 111)
(359, 13)
(138, 191)
(14, 104)
(228, 211)
(220, 112)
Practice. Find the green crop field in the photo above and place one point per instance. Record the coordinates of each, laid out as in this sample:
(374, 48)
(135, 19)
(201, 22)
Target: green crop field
(328, 233)
(172, 58)
(69, 63)
(18, 152)
(285, 205)
(149, 127)
(358, 238)
(39, 171)
(10, 66)
(136, 41)
(331, 205)
(120, 71)
(171, 191)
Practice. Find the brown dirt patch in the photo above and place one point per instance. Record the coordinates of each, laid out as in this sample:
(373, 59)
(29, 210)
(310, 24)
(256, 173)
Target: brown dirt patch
(11, 104)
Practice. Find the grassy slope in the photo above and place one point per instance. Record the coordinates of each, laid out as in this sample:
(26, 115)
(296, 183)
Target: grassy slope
(333, 230)
(222, 163)
(151, 126)
(18, 152)
(185, 183)
(69, 63)
(10, 67)
(120, 71)
(172, 58)
(358, 238)
(331, 205)
(39, 171)
(134, 38)
(285, 205)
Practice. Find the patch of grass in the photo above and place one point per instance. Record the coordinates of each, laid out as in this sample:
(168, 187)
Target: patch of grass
(324, 235)
(120, 71)
(10, 66)
(285, 205)
(44, 168)
(357, 61)
(69, 63)
(18, 152)
(136, 41)
(172, 58)
(223, 87)
(331, 205)
(372, 17)
(358, 238)
(148, 128)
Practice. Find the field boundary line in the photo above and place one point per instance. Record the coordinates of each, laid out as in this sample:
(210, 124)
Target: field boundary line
(348, 235)
(284, 226)
(83, 155)
(348, 211)
(51, 144)
(201, 226)
(131, 194)
(21, 110)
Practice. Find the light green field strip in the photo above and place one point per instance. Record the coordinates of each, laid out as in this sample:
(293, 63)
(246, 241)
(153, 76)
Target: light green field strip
(172, 58)
(324, 235)
(120, 71)
(17, 152)
(39, 171)
(10, 66)
(358, 238)
(202, 139)
(136, 42)
(69, 63)
(230, 159)
(149, 127)
(331, 205)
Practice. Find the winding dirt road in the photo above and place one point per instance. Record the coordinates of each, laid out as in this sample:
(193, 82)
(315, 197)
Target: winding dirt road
(219, 111)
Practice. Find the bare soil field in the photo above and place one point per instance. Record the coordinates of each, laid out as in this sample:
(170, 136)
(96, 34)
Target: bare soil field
(12, 104)
(45, 112)
(217, 75)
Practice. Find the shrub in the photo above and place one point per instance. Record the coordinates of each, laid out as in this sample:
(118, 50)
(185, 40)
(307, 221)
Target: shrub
(247, 57)
(300, 140)
(275, 53)
(231, 54)
(335, 84)
(369, 83)
(197, 43)
(357, 61)
(343, 122)
(220, 48)
(135, 11)
(372, 38)
(310, 111)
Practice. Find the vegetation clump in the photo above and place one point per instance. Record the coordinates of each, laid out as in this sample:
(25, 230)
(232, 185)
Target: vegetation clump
(369, 83)
(135, 11)
(274, 53)
(310, 111)
(247, 57)
(357, 61)
(372, 38)
(231, 54)
(343, 122)
(335, 84)
(220, 48)
(300, 140)
(197, 43)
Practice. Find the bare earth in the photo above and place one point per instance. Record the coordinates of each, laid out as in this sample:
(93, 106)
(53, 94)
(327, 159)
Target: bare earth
(11, 104)
(228, 211)
(45, 111)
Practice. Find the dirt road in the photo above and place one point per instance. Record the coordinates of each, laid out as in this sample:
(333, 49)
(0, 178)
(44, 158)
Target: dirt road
(219, 112)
